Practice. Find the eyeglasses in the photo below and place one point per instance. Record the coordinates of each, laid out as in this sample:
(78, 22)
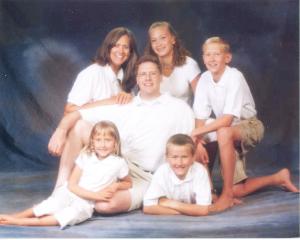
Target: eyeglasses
(148, 74)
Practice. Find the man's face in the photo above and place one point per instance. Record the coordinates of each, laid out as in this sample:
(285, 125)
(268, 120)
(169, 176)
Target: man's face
(148, 80)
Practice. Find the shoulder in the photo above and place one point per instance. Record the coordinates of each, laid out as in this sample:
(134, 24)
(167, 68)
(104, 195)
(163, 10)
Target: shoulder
(92, 69)
(161, 171)
(234, 73)
(198, 168)
(190, 61)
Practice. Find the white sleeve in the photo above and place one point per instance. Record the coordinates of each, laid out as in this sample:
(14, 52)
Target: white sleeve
(108, 112)
(191, 69)
(202, 187)
(202, 107)
(82, 90)
(124, 170)
(234, 97)
(80, 160)
(155, 190)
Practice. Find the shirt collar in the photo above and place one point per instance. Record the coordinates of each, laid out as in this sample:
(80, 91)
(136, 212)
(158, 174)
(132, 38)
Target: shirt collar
(141, 102)
(221, 81)
(119, 75)
(178, 181)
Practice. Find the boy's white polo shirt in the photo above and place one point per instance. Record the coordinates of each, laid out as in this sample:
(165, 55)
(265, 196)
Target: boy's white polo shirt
(95, 82)
(178, 83)
(195, 188)
(230, 95)
(145, 126)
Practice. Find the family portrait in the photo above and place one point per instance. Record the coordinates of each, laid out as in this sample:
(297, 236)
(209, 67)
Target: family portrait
(149, 119)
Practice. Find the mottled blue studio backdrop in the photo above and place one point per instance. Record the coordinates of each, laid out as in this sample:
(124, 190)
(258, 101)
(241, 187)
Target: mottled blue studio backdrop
(45, 43)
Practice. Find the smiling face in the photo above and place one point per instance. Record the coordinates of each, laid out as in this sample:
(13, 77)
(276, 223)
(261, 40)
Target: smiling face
(104, 144)
(215, 59)
(162, 41)
(148, 80)
(119, 53)
(180, 158)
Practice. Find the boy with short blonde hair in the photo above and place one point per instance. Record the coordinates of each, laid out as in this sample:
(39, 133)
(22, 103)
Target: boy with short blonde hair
(180, 186)
(223, 91)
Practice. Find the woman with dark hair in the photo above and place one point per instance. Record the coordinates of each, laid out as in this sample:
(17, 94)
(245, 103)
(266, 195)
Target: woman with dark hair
(110, 78)
(180, 71)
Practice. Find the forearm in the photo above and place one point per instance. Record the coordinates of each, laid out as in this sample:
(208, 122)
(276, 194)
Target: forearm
(185, 208)
(69, 121)
(83, 193)
(159, 210)
(224, 121)
(124, 185)
(190, 209)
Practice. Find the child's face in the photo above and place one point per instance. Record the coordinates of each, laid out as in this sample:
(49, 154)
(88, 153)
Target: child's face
(215, 59)
(180, 159)
(162, 41)
(104, 144)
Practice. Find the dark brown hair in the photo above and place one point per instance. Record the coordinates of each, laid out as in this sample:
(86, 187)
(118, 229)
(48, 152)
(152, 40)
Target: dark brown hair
(179, 51)
(103, 55)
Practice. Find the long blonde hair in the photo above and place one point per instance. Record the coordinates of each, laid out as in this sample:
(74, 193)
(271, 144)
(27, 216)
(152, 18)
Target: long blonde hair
(109, 128)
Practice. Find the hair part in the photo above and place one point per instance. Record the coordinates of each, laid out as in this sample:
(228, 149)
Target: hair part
(103, 55)
(179, 51)
(181, 140)
(109, 128)
(217, 40)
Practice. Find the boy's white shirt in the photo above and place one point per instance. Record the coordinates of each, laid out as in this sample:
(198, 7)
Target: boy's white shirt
(194, 189)
(230, 95)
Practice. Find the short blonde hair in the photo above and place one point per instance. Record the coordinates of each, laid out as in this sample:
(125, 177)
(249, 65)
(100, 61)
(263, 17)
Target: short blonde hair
(225, 45)
(181, 140)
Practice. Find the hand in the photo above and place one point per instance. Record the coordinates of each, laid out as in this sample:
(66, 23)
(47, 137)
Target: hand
(57, 142)
(201, 154)
(105, 194)
(123, 98)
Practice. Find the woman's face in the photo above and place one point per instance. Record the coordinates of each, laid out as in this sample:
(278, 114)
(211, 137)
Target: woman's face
(162, 41)
(120, 52)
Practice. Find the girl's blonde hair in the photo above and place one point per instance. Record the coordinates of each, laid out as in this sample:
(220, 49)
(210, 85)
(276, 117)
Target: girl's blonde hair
(180, 52)
(110, 129)
(181, 140)
(224, 45)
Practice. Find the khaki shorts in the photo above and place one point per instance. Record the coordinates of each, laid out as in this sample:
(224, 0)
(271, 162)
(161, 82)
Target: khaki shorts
(140, 183)
(252, 132)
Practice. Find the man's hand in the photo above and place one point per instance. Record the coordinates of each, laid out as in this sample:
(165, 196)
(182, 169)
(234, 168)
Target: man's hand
(57, 142)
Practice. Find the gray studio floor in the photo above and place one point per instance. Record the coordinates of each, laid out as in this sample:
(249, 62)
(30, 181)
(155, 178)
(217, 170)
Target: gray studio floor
(268, 213)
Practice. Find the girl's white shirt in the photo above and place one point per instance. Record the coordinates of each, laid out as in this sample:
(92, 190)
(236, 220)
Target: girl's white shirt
(178, 83)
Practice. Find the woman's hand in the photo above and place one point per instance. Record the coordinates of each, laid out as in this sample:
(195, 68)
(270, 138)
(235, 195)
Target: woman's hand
(57, 142)
(123, 98)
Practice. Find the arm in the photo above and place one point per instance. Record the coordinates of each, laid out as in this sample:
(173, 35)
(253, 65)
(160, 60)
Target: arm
(58, 138)
(184, 208)
(124, 184)
(224, 121)
(194, 83)
(121, 98)
(159, 210)
(83, 193)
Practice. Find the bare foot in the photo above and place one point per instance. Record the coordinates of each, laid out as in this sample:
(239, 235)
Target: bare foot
(224, 202)
(284, 180)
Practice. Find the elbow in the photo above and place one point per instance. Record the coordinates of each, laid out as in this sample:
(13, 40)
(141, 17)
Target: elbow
(147, 210)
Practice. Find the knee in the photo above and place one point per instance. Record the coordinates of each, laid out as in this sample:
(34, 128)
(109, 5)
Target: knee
(224, 135)
(81, 129)
(106, 207)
